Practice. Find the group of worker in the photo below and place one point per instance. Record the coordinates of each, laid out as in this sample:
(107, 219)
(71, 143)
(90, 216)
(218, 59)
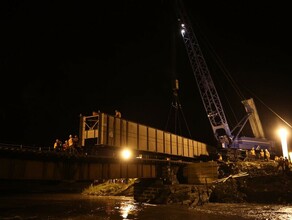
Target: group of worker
(263, 155)
(283, 164)
(70, 145)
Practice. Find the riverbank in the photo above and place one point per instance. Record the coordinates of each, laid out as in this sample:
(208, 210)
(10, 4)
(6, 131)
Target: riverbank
(121, 187)
(251, 182)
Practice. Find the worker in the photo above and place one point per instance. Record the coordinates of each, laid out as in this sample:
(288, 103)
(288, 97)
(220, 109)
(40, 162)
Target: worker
(220, 159)
(118, 114)
(65, 146)
(262, 155)
(286, 165)
(57, 145)
(76, 146)
(268, 155)
(276, 158)
(281, 164)
(71, 143)
(252, 153)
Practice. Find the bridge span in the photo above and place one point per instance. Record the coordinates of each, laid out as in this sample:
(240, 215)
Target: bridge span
(30, 169)
(104, 130)
(38, 164)
(156, 154)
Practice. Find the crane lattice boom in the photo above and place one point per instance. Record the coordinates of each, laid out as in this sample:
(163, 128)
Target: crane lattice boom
(204, 80)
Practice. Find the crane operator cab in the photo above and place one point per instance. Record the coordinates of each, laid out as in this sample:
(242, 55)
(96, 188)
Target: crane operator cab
(224, 140)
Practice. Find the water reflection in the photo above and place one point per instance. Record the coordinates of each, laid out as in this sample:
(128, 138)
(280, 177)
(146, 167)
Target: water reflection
(127, 208)
(75, 207)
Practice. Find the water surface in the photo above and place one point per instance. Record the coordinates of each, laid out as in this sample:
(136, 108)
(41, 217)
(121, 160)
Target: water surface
(78, 206)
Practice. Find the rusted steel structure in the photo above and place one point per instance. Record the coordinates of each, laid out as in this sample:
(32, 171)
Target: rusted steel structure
(103, 130)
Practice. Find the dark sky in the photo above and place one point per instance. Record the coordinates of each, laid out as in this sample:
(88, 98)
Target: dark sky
(59, 60)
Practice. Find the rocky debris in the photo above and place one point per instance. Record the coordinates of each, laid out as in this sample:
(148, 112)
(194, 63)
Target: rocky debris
(186, 194)
(258, 168)
(264, 182)
(191, 195)
(252, 181)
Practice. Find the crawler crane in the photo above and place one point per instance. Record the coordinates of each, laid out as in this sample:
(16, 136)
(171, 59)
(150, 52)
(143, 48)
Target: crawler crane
(226, 137)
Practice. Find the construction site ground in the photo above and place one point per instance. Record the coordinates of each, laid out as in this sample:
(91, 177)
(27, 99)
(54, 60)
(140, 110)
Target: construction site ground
(244, 181)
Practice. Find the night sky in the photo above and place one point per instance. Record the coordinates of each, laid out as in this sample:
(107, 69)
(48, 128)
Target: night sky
(60, 60)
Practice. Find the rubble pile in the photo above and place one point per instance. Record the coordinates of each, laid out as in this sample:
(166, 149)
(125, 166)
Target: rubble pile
(258, 168)
(252, 181)
(257, 181)
(191, 195)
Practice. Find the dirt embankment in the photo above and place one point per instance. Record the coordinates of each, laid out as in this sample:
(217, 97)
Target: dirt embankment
(257, 182)
(111, 187)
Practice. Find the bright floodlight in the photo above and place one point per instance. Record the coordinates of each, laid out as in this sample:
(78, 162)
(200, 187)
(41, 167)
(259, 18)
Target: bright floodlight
(283, 136)
(126, 154)
(183, 29)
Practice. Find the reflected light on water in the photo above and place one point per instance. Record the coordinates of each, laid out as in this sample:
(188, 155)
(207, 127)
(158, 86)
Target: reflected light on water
(126, 209)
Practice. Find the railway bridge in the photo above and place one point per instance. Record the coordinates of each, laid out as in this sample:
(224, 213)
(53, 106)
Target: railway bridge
(155, 154)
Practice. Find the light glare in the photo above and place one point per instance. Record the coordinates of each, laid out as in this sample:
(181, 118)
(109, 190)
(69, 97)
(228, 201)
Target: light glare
(182, 31)
(126, 154)
(283, 136)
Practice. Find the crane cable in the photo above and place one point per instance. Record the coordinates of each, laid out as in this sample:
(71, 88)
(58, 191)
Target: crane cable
(223, 70)
(177, 106)
(282, 119)
(234, 84)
